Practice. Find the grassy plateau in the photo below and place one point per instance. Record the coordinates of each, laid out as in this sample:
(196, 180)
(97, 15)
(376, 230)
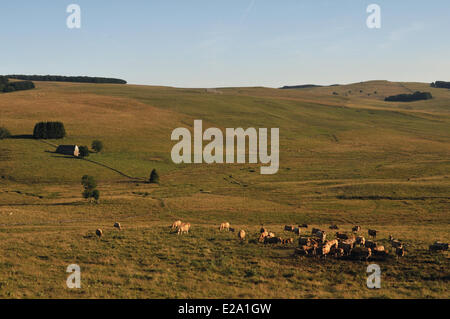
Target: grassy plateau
(347, 157)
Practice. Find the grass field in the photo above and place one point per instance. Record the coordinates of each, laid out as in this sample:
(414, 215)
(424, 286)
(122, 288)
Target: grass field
(348, 159)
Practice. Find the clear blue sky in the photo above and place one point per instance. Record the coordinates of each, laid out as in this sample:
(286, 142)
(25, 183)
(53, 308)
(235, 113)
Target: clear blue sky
(211, 43)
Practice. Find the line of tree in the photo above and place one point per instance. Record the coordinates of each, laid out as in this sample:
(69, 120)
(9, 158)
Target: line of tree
(49, 130)
(6, 86)
(441, 85)
(416, 96)
(61, 78)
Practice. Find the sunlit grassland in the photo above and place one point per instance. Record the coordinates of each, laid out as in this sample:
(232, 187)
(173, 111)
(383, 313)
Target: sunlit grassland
(346, 159)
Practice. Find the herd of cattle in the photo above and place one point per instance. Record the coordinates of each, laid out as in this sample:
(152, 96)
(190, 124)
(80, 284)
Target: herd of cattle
(346, 244)
(318, 243)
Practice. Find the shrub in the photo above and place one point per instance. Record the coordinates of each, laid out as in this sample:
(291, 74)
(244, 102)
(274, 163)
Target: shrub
(88, 182)
(4, 133)
(416, 96)
(96, 194)
(154, 177)
(97, 146)
(49, 130)
(84, 151)
(90, 185)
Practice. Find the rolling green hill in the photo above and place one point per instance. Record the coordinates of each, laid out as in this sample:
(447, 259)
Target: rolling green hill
(346, 157)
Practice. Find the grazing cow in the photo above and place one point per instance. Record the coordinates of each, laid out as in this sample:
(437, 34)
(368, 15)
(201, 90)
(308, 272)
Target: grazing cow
(342, 236)
(372, 233)
(333, 243)
(99, 233)
(438, 246)
(304, 241)
(176, 224)
(241, 234)
(303, 226)
(272, 240)
(337, 252)
(356, 229)
(305, 250)
(360, 240)
(370, 244)
(361, 253)
(225, 226)
(184, 228)
(400, 252)
(322, 236)
(289, 228)
(297, 231)
(334, 227)
(346, 245)
(262, 236)
(396, 244)
(323, 250)
(118, 226)
(271, 235)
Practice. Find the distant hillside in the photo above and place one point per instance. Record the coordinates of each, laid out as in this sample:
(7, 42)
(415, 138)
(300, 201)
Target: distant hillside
(60, 78)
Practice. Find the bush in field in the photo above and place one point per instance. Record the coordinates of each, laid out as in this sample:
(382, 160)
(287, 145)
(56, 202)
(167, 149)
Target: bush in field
(97, 146)
(416, 96)
(90, 188)
(49, 130)
(84, 151)
(4, 133)
(154, 177)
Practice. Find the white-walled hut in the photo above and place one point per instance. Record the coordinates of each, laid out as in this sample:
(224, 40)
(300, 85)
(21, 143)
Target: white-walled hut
(68, 150)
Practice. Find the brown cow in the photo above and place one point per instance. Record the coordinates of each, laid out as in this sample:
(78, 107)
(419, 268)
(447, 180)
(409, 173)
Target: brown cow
(370, 244)
(241, 234)
(342, 236)
(272, 240)
(346, 245)
(176, 224)
(289, 228)
(396, 244)
(337, 252)
(360, 240)
(118, 226)
(361, 253)
(400, 252)
(302, 241)
(224, 226)
(356, 229)
(372, 233)
(184, 228)
(333, 243)
(262, 236)
(321, 235)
